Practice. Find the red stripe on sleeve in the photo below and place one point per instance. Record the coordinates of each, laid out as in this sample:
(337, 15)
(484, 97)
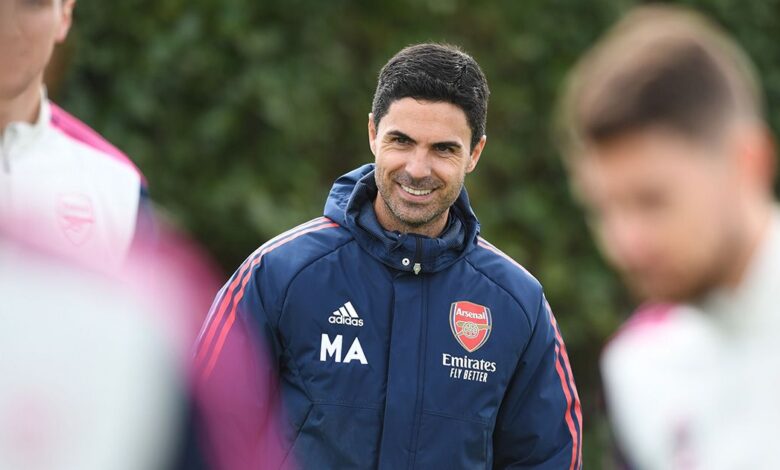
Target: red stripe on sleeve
(232, 315)
(216, 319)
(568, 385)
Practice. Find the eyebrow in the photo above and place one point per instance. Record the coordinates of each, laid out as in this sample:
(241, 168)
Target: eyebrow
(446, 143)
(401, 135)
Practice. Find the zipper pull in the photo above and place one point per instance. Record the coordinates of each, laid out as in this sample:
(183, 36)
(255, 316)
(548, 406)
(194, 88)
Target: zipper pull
(417, 268)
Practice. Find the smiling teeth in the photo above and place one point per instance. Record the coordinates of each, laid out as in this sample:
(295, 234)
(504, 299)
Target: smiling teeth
(416, 192)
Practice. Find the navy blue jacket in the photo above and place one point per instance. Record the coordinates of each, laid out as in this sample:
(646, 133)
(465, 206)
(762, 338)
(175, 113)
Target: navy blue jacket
(398, 351)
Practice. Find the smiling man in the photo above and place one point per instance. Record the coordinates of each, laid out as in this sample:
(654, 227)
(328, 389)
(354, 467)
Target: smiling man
(61, 184)
(400, 338)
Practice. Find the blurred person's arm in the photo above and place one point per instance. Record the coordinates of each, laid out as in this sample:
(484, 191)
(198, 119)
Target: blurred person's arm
(539, 424)
(236, 361)
(146, 226)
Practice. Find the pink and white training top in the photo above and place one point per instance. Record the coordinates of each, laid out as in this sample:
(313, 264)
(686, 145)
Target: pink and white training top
(66, 188)
(694, 386)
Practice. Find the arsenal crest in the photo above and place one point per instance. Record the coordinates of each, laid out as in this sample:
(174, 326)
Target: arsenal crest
(471, 324)
(76, 217)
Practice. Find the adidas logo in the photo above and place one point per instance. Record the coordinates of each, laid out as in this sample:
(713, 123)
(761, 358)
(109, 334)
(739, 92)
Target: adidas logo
(346, 315)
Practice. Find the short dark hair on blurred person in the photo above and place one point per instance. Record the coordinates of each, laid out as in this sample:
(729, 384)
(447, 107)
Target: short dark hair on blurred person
(661, 66)
(437, 73)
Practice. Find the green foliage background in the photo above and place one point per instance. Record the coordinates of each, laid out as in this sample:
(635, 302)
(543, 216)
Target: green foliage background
(242, 112)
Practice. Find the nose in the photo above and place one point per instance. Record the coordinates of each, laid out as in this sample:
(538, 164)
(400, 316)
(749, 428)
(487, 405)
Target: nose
(418, 165)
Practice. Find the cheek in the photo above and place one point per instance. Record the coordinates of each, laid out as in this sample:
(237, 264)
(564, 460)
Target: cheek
(32, 46)
(451, 170)
(388, 156)
(701, 205)
(383, 163)
(695, 224)
(387, 163)
(41, 29)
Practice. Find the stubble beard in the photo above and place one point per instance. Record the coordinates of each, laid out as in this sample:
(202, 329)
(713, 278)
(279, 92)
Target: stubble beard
(406, 218)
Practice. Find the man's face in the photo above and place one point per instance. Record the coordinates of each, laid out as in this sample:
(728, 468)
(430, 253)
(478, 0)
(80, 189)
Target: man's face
(29, 29)
(422, 157)
(664, 211)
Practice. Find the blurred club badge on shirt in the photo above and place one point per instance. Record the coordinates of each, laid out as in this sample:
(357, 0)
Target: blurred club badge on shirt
(471, 324)
(76, 217)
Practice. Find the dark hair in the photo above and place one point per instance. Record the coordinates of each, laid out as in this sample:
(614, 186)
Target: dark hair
(686, 93)
(660, 66)
(435, 72)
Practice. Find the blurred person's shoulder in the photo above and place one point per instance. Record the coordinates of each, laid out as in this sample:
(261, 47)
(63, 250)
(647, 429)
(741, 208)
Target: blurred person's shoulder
(656, 340)
(84, 169)
(655, 371)
(73, 192)
(80, 143)
(645, 327)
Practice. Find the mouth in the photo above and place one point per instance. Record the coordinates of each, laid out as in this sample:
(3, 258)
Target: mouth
(416, 192)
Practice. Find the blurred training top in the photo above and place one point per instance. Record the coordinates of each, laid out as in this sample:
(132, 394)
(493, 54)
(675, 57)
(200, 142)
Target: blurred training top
(64, 187)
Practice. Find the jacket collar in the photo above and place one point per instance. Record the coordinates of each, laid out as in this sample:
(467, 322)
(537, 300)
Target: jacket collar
(20, 134)
(350, 204)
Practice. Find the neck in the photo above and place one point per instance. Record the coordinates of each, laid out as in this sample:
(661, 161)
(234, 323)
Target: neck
(21, 108)
(757, 221)
(390, 222)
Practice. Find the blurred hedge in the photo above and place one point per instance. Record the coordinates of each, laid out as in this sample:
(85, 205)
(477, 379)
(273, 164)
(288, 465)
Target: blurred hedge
(242, 112)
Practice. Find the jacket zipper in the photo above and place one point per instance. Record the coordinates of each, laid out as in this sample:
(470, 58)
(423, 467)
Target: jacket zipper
(423, 352)
(417, 256)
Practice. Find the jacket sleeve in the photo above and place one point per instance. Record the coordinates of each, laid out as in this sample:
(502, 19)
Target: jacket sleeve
(147, 230)
(236, 378)
(539, 425)
(145, 217)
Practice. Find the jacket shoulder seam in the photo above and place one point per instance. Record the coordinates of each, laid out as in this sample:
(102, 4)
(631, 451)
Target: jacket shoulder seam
(303, 268)
(501, 286)
(292, 276)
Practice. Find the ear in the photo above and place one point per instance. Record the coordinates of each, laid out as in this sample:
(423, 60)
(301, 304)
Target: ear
(475, 154)
(756, 150)
(371, 133)
(66, 20)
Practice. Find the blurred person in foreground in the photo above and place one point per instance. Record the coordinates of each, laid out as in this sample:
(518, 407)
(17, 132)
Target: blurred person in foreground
(670, 155)
(95, 367)
(64, 186)
(402, 339)
(92, 367)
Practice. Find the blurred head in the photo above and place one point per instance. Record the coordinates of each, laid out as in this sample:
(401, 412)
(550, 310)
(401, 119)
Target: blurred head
(427, 131)
(29, 29)
(668, 152)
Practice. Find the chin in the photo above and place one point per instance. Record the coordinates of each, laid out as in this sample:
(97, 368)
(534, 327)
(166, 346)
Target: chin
(669, 289)
(12, 87)
(414, 218)
(415, 221)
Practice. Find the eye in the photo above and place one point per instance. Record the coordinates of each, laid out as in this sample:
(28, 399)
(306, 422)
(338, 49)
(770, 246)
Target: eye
(444, 148)
(400, 139)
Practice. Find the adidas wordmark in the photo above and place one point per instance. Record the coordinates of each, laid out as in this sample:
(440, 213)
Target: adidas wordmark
(346, 315)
